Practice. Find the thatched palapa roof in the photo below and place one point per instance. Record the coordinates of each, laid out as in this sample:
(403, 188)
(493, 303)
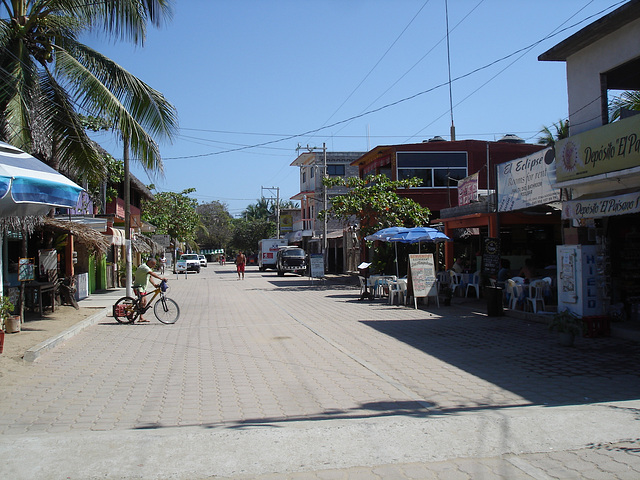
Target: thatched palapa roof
(90, 238)
(26, 224)
(143, 244)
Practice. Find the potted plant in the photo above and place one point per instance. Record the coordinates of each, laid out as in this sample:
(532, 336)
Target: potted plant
(11, 323)
(567, 324)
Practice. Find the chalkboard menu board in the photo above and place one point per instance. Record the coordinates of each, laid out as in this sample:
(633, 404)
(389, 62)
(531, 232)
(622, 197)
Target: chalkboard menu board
(491, 256)
(423, 275)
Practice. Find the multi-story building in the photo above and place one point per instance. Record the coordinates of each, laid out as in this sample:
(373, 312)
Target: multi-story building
(443, 165)
(333, 236)
(598, 168)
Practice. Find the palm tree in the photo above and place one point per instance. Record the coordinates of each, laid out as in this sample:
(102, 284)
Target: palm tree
(550, 138)
(262, 209)
(625, 101)
(48, 77)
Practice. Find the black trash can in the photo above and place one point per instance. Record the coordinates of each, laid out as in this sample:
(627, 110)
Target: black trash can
(494, 301)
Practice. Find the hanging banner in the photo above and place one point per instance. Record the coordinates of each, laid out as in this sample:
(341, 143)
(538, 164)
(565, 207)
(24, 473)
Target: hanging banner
(601, 207)
(527, 181)
(605, 149)
(468, 190)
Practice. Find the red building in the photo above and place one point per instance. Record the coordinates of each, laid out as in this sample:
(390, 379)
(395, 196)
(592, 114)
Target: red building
(442, 164)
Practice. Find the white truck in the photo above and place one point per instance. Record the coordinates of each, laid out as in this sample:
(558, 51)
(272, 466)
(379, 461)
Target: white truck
(267, 250)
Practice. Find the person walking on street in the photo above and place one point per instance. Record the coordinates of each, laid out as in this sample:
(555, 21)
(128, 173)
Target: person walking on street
(241, 261)
(142, 279)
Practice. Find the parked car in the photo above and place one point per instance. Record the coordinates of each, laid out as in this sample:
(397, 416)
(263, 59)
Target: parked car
(188, 262)
(203, 260)
(291, 259)
(252, 259)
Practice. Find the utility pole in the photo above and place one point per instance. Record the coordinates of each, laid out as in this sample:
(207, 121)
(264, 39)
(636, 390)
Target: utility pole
(277, 200)
(324, 206)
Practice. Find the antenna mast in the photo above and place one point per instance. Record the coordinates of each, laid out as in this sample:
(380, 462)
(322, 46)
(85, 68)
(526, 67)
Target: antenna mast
(453, 127)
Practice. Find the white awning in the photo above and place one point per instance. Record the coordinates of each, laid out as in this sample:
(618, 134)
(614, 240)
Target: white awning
(117, 238)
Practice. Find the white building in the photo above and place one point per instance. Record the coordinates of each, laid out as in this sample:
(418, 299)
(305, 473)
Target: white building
(310, 232)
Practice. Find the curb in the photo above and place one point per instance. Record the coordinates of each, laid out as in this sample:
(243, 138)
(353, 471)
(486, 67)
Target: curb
(34, 352)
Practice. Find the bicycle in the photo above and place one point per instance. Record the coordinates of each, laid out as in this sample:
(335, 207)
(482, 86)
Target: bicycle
(166, 310)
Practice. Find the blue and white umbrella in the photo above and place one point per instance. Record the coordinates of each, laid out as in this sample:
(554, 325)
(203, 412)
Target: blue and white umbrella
(419, 234)
(407, 235)
(30, 187)
(385, 234)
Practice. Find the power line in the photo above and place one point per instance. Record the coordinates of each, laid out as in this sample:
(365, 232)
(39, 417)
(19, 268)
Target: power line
(378, 62)
(397, 102)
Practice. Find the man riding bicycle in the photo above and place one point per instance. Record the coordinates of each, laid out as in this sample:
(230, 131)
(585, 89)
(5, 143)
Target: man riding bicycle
(142, 279)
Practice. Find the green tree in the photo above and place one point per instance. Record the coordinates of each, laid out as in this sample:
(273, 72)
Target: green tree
(173, 214)
(48, 76)
(561, 130)
(374, 201)
(625, 101)
(247, 233)
(217, 220)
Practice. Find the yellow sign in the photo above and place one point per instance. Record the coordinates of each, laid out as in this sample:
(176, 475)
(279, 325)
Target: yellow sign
(605, 149)
(286, 222)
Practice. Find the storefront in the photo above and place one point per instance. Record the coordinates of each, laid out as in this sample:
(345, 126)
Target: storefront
(523, 215)
(601, 170)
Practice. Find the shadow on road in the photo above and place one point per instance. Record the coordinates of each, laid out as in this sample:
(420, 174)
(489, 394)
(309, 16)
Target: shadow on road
(525, 358)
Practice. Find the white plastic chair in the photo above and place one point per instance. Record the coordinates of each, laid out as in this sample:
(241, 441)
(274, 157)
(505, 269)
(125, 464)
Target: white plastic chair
(475, 283)
(456, 281)
(514, 291)
(382, 286)
(536, 295)
(363, 284)
(403, 290)
(444, 278)
(396, 290)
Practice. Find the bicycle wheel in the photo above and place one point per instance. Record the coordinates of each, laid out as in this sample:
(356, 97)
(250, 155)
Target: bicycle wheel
(125, 310)
(166, 310)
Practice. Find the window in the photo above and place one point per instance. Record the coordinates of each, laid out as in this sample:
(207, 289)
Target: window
(313, 169)
(335, 170)
(436, 169)
(304, 176)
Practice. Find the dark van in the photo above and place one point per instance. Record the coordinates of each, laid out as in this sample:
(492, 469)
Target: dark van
(291, 259)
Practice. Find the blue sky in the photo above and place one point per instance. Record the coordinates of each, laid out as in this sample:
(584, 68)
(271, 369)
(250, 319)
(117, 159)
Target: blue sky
(356, 73)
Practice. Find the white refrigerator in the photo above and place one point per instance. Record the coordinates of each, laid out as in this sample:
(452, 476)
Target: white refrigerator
(580, 279)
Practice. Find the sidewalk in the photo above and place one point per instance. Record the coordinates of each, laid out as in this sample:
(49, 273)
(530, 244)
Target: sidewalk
(99, 304)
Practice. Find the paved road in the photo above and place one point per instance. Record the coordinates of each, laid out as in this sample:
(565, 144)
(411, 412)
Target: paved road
(275, 375)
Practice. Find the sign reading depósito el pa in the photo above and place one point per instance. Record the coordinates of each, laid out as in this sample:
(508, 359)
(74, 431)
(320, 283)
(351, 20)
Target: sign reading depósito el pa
(609, 148)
